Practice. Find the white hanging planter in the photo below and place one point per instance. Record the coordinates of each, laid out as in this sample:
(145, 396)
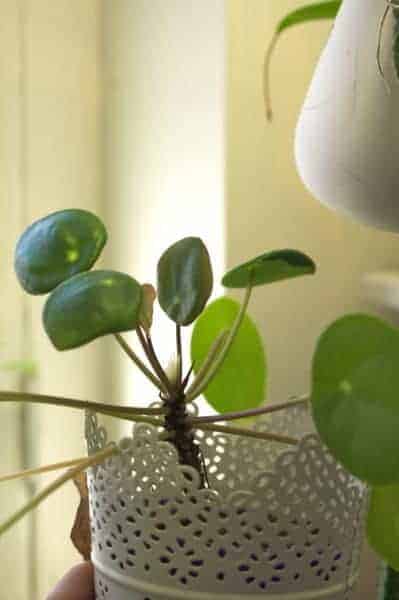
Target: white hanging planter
(347, 139)
(274, 524)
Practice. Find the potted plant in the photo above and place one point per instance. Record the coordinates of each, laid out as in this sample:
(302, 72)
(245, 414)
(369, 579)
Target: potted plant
(346, 140)
(190, 503)
(349, 116)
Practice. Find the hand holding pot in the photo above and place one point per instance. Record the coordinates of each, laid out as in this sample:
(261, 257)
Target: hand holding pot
(78, 584)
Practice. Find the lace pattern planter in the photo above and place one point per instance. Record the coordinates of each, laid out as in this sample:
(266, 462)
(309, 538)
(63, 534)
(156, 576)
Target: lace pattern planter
(275, 523)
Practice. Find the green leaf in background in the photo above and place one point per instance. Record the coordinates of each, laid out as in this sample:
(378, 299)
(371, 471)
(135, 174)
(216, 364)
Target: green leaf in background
(312, 12)
(383, 523)
(57, 247)
(355, 383)
(241, 382)
(185, 280)
(24, 367)
(90, 305)
(270, 267)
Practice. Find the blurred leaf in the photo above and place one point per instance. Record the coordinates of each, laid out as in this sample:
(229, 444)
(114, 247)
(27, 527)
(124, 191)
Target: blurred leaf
(355, 396)
(383, 523)
(81, 531)
(57, 247)
(311, 12)
(90, 305)
(270, 267)
(241, 381)
(315, 11)
(184, 280)
(147, 306)
(25, 367)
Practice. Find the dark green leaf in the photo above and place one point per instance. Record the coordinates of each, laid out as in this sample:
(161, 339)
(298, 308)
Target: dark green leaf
(184, 280)
(312, 12)
(270, 267)
(90, 305)
(383, 523)
(57, 247)
(241, 382)
(355, 396)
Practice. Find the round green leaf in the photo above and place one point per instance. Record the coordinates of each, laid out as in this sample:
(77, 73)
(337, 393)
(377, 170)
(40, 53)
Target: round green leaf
(270, 267)
(57, 247)
(90, 305)
(355, 396)
(185, 280)
(241, 381)
(383, 523)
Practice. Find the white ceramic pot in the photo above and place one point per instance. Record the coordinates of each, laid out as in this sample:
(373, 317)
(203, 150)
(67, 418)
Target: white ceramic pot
(347, 138)
(275, 523)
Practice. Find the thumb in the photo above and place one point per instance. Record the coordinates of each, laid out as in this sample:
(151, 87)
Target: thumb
(78, 584)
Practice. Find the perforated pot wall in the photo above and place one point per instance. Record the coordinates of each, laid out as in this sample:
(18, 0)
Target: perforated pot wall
(275, 523)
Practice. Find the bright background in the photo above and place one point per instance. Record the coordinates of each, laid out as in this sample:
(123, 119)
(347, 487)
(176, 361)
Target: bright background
(151, 114)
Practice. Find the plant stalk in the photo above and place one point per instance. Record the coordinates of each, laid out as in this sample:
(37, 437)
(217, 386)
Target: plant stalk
(106, 409)
(139, 363)
(249, 433)
(53, 487)
(207, 364)
(149, 350)
(217, 364)
(264, 410)
(41, 470)
(179, 354)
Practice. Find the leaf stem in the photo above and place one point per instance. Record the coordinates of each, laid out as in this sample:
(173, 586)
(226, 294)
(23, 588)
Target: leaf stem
(106, 409)
(179, 355)
(148, 347)
(264, 410)
(139, 363)
(266, 77)
(217, 364)
(259, 435)
(53, 487)
(208, 362)
(41, 470)
(187, 377)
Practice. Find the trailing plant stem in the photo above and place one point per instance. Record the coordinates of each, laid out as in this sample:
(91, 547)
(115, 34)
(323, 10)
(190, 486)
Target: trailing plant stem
(132, 413)
(53, 487)
(264, 410)
(218, 363)
(41, 470)
(259, 435)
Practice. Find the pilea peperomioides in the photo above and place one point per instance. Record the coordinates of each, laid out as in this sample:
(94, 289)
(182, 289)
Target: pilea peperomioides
(355, 378)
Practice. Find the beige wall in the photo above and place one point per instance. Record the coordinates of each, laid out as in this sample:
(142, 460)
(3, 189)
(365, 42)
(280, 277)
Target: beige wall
(14, 548)
(164, 78)
(50, 149)
(268, 207)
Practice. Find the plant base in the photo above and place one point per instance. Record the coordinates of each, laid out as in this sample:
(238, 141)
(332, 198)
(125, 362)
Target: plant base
(275, 523)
